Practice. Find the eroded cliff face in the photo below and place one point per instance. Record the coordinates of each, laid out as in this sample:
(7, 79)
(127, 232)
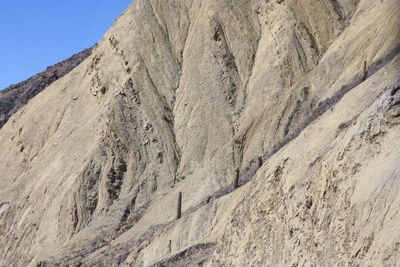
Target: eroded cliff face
(302, 97)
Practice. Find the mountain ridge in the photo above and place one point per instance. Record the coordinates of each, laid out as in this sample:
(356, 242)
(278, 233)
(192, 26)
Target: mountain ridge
(298, 98)
(13, 97)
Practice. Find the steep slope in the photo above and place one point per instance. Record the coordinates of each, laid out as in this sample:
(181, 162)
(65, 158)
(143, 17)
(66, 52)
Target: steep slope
(16, 96)
(300, 97)
(332, 200)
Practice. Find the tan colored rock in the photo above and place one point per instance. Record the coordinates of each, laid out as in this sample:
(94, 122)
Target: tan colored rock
(179, 95)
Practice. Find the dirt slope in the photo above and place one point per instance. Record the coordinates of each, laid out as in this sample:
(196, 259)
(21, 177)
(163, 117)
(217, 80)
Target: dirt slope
(302, 97)
(16, 96)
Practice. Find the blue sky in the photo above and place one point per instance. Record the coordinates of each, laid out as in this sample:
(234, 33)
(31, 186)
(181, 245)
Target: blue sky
(35, 34)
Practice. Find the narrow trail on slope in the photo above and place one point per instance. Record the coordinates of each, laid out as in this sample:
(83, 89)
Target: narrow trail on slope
(122, 252)
(324, 106)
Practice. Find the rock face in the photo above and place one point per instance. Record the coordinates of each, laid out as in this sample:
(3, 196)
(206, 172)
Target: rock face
(16, 96)
(302, 98)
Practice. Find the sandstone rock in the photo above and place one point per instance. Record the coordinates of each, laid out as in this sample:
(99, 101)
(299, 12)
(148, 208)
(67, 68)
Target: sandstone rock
(177, 97)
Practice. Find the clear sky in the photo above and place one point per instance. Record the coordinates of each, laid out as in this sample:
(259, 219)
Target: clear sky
(35, 34)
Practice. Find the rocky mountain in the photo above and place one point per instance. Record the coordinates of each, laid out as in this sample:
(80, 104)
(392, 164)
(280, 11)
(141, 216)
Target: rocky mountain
(16, 96)
(274, 122)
